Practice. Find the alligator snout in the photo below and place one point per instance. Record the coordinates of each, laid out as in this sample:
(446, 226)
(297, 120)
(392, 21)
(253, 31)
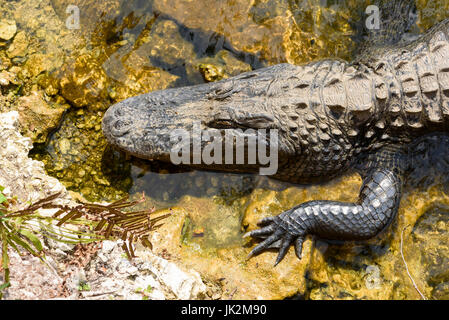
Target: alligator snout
(123, 125)
(114, 122)
(142, 125)
(198, 121)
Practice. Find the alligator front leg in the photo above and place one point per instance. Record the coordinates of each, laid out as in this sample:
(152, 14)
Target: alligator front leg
(378, 203)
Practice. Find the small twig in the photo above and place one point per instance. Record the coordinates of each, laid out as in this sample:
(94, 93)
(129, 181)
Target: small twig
(406, 267)
(232, 294)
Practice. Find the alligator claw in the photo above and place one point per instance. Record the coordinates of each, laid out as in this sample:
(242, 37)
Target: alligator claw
(283, 249)
(266, 221)
(260, 233)
(274, 231)
(298, 247)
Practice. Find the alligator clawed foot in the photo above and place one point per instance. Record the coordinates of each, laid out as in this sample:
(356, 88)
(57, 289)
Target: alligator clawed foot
(275, 229)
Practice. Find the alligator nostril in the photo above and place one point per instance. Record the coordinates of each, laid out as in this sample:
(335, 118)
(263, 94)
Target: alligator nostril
(119, 124)
(118, 112)
(120, 127)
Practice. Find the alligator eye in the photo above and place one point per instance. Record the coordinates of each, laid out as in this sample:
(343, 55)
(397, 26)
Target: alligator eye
(256, 121)
(222, 124)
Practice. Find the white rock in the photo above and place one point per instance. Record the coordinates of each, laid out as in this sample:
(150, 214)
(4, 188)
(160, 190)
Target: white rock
(17, 169)
(184, 285)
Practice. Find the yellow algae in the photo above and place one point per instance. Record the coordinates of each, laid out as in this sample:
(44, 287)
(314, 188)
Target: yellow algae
(227, 266)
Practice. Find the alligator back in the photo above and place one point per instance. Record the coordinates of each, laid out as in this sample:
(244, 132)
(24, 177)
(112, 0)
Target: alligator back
(331, 111)
(412, 84)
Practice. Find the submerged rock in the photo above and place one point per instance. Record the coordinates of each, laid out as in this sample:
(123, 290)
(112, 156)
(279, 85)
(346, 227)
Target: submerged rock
(222, 66)
(39, 63)
(93, 15)
(37, 117)
(375, 269)
(6, 78)
(19, 46)
(431, 11)
(429, 236)
(8, 29)
(207, 236)
(274, 31)
(84, 83)
(135, 72)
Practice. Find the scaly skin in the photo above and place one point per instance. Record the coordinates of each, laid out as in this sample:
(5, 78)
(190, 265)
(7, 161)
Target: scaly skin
(331, 115)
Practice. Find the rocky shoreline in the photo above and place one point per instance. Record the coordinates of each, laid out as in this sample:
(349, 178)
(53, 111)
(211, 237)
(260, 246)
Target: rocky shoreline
(92, 271)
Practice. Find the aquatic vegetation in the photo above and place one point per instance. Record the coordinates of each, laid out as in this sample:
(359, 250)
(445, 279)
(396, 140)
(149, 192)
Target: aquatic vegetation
(25, 228)
(14, 233)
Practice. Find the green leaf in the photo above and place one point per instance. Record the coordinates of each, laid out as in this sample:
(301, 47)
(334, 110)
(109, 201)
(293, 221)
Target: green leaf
(2, 188)
(12, 244)
(84, 286)
(4, 286)
(2, 198)
(5, 257)
(32, 238)
(23, 244)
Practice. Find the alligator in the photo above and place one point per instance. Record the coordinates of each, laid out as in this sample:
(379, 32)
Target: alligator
(331, 116)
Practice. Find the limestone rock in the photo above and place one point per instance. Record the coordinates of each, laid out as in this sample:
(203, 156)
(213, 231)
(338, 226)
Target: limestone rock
(185, 285)
(8, 29)
(37, 117)
(108, 274)
(146, 276)
(31, 279)
(21, 176)
(19, 46)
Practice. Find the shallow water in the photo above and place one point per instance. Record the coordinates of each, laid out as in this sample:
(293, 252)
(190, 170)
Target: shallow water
(124, 48)
(185, 46)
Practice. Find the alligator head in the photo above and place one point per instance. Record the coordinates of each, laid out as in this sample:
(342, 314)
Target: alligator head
(258, 109)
